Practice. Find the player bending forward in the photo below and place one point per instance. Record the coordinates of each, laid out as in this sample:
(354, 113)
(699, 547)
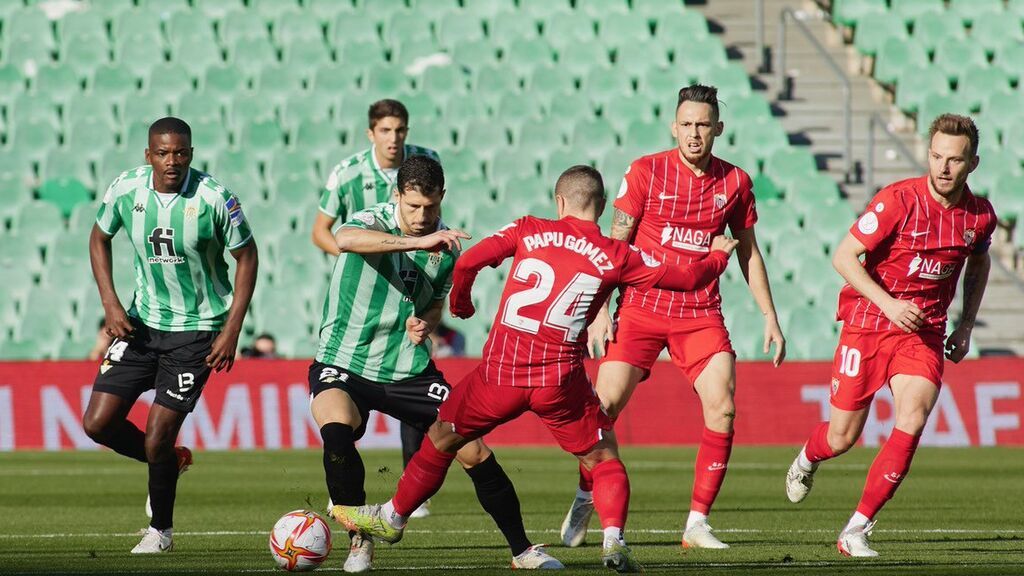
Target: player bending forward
(916, 234)
(533, 361)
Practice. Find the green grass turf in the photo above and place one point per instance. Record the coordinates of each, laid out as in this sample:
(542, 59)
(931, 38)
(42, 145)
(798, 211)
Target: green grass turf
(960, 512)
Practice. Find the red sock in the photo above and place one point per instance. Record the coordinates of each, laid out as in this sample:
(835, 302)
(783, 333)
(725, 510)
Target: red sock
(712, 460)
(422, 478)
(611, 493)
(817, 448)
(586, 479)
(887, 471)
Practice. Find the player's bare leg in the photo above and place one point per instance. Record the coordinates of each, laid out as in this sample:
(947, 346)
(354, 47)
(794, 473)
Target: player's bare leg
(338, 418)
(827, 440)
(162, 430)
(715, 387)
(106, 422)
(611, 499)
(616, 382)
(914, 397)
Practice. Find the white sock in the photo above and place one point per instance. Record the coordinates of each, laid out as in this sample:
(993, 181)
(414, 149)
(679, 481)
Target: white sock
(695, 517)
(856, 521)
(582, 494)
(165, 533)
(395, 519)
(613, 534)
(803, 463)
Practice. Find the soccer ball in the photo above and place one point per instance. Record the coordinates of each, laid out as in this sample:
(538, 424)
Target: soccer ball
(300, 541)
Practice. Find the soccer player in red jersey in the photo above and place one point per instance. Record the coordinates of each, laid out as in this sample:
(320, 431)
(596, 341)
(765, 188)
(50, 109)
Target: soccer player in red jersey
(670, 205)
(533, 359)
(916, 235)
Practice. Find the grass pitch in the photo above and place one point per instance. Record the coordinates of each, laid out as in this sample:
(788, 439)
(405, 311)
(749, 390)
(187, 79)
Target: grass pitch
(960, 512)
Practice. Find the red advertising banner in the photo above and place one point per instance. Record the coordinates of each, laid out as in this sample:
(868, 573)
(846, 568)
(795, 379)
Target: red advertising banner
(265, 404)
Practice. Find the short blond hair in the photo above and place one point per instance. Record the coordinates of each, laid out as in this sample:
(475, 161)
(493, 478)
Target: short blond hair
(955, 125)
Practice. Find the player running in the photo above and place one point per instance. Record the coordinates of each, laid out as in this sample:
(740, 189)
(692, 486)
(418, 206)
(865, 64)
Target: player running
(363, 180)
(184, 320)
(386, 295)
(671, 205)
(916, 236)
(533, 359)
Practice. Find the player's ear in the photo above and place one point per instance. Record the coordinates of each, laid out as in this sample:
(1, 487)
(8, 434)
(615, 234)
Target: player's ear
(674, 127)
(559, 205)
(719, 128)
(369, 134)
(974, 164)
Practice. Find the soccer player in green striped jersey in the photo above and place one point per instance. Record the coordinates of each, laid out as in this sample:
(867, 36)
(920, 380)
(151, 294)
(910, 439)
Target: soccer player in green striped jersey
(368, 177)
(386, 296)
(185, 316)
(361, 181)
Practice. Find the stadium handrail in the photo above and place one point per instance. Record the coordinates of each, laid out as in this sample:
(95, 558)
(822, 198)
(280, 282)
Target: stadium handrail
(796, 17)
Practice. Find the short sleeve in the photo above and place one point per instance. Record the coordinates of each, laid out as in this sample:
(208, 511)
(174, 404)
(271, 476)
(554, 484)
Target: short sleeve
(330, 196)
(879, 220)
(984, 241)
(108, 218)
(640, 269)
(744, 215)
(231, 223)
(368, 219)
(632, 194)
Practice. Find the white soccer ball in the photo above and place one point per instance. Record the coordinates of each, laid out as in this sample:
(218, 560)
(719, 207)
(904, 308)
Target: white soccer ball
(300, 541)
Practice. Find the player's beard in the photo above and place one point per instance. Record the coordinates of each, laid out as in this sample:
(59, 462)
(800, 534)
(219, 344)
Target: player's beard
(940, 187)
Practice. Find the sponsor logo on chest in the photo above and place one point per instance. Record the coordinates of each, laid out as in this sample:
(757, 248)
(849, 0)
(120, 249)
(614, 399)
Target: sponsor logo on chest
(685, 238)
(930, 268)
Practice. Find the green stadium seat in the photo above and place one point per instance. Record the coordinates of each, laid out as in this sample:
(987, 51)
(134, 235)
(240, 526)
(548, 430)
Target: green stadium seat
(766, 189)
(578, 60)
(1011, 59)
(12, 82)
(239, 24)
(595, 137)
(223, 83)
(406, 26)
(548, 80)
(113, 82)
(139, 21)
(15, 167)
(492, 82)
(622, 112)
(295, 25)
(201, 106)
(348, 29)
(560, 159)
(689, 24)
(474, 55)
(83, 216)
(517, 163)
(605, 85)
(664, 82)
(295, 189)
(933, 29)
(910, 10)
(42, 222)
(85, 106)
(315, 134)
(250, 55)
(817, 339)
(896, 56)
(936, 104)
(32, 107)
(84, 54)
(462, 164)
(81, 23)
(995, 30)
(25, 349)
(619, 30)
(273, 10)
(63, 163)
(654, 8)
(90, 138)
(441, 81)
(458, 27)
(386, 80)
(1004, 106)
(813, 190)
(790, 165)
(280, 82)
(236, 162)
(538, 9)
(978, 84)
(307, 54)
(731, 80)
(873, 30)
(195, 57)
(29, 25)
(851, 12)
(146, 107)
(209, 136)
(741, 157)
(113, 163)
(969, 10)
(956, 57)
(56, 82)
(488, 9)
(334, 80)
(429, 133)
(76, 349)
(564, 28)
(139, 54)
(484, 140)
(524, 57)
(190, 26)
(635, 59)
(916, 83)
(696, 59)
(33, 137)
(597, 9)
(764, 137)
(508, 27)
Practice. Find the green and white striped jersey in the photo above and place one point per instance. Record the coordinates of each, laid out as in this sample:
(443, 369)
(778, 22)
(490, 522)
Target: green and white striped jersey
(181, 277)
(358, 182)
(370, 298)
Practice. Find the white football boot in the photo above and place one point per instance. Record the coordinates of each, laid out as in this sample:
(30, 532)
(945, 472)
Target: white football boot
(799, 481)
(154, 542)
(574, 527)
(360, 555)
(699, 535)
(854, 541)
(536, 558)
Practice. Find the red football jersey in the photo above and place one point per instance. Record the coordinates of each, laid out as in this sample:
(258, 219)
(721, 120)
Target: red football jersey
(915, 251)
(678, 213)
(562, 273)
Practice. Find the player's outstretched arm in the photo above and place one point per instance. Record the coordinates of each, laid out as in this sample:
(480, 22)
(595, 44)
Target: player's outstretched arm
(490, 251)
(846, 261)
(975, 281)
(116, 322)
(754, 271)
(222, 353)
(362, 241)
(322, 236)
(701, 273)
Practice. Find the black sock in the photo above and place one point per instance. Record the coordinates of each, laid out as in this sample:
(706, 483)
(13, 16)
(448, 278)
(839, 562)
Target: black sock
(411, 439)
(498, 496)
(342, 465)
(128, 441)
(163, 484)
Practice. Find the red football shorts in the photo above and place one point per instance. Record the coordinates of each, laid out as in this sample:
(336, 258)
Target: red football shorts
(865, 360)
(571, 411)
(640, 336)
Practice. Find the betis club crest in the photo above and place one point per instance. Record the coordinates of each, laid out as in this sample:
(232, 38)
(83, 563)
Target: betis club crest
(720, 201)
(969, 236)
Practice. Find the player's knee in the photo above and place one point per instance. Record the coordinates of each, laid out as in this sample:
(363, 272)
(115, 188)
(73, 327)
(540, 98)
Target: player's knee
(913, 422)
(159, 446)
(96, 429)
(841, 441)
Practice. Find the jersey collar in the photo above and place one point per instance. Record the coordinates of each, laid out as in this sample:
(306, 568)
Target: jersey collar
(184, 185)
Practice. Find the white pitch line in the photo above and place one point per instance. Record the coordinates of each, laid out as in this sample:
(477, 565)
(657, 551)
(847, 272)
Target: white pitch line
(545, 531)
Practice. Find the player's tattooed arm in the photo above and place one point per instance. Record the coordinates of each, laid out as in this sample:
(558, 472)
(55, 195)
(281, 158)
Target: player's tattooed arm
(622, 225)
(362, 241)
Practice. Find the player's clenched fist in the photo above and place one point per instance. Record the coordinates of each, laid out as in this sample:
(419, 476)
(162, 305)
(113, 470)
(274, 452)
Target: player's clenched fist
(724, 243)
(443, 240)
(417, 329)
(904, 314)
